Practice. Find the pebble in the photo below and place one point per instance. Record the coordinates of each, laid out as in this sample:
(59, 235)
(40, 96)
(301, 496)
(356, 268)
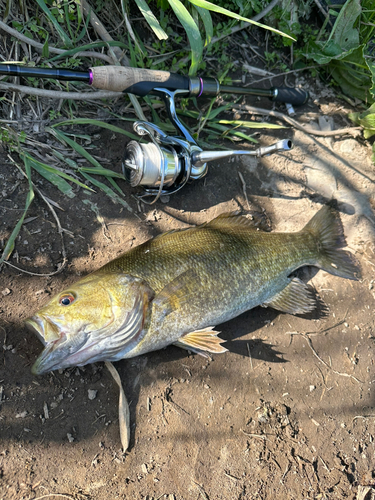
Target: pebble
(92, 394)
(6, 291)
(70, 437)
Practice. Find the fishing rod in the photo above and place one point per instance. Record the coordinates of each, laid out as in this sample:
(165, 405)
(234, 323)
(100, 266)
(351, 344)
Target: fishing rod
(164, 165)
(141, 82)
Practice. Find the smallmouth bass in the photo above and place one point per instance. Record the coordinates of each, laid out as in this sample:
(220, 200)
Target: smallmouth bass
(175, 288)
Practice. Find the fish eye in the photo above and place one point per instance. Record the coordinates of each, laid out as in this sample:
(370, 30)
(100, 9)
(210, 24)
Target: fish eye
(66, 299)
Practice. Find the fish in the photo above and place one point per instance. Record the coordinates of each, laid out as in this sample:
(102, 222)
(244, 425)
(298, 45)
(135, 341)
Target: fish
(177, 287)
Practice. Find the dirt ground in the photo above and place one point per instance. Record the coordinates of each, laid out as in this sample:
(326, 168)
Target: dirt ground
(287, 413)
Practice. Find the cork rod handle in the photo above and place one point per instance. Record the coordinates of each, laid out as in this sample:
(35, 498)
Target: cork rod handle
(136, 81)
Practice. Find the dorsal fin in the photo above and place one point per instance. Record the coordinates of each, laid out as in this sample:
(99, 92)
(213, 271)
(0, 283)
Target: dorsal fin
(232, 220)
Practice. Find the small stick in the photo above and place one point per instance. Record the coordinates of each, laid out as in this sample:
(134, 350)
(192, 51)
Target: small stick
(249, 353)
(363, 416)
(203, 493)
(259, 436)
(56, 94)
(354, 131)
(70, 497)
(123, 409)
(327, 365)
(52, 50)
(244, 189)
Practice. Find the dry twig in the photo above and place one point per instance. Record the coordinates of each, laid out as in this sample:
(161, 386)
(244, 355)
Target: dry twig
(354, 131)
(53, 50)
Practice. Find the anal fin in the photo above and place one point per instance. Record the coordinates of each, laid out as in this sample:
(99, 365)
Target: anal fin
(295, 298)
(202, 341)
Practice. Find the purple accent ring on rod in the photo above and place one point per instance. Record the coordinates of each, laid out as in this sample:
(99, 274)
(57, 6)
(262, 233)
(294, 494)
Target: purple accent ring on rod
(201, 91)
(91, 77)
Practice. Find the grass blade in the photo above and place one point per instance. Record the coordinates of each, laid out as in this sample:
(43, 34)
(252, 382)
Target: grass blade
(90, 170)
(56, 25)
(54, 175)
(207, 21)
(192, 33)
(151, 19)
(79, 149)
(82, 151)
(108, 191)
(98, 123)
(89, 46)
(9, 247)
(226, 132)
(220, 10)
(249, 124)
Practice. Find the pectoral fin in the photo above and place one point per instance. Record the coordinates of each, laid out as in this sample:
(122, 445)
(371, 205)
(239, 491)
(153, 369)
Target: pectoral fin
(295, 298)
(202, 341)
(177, 293)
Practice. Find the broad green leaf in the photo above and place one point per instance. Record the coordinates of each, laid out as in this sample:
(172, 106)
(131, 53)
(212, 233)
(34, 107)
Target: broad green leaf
(343, 32)
(151, 19)
(192, 33)
(371, 67)
(220, 10)
(365, 120)
(350, 73)
(56, 25)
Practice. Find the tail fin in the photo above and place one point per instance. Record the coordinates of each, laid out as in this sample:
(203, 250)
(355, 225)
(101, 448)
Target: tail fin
(327, 230)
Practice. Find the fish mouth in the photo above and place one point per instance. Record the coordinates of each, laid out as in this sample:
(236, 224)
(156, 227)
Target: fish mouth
(36, 326)
(59, 351)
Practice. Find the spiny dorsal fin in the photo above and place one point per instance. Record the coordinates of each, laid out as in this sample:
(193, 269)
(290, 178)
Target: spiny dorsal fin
(295, 298)
(202, 341)
(232, 220)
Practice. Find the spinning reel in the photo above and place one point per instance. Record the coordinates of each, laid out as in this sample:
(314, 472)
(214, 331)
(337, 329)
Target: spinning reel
(164, 165)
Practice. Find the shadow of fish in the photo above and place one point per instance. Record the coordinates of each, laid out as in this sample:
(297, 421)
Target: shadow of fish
(174, 288)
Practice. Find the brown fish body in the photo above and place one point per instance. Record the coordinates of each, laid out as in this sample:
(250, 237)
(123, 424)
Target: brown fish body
(186, 281)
